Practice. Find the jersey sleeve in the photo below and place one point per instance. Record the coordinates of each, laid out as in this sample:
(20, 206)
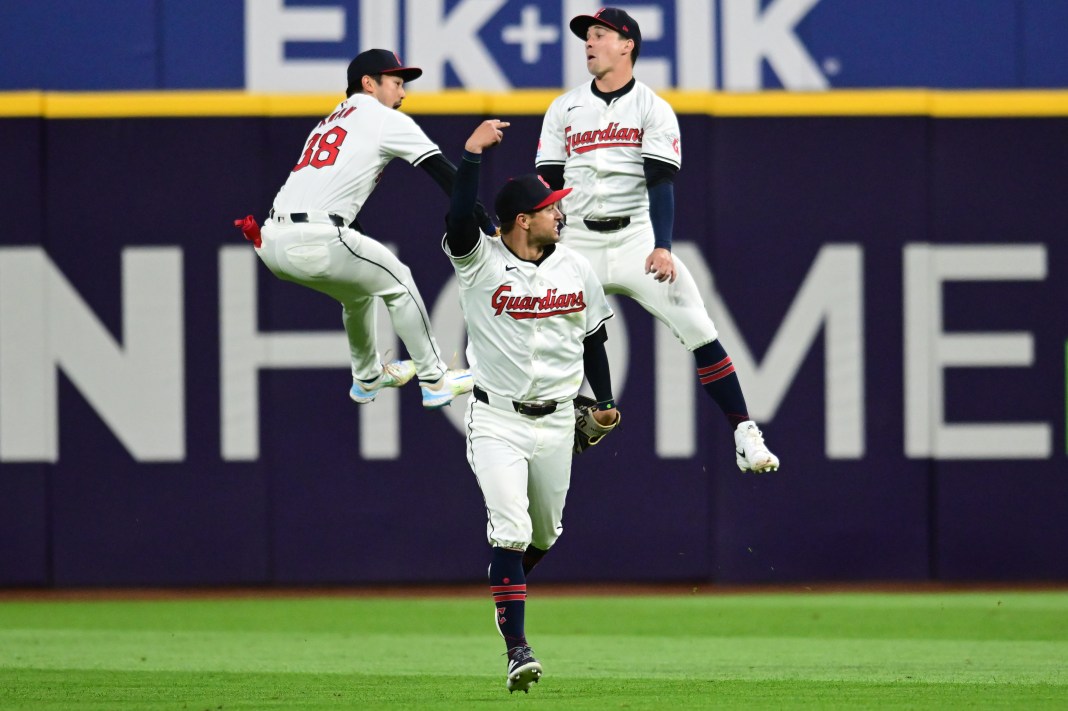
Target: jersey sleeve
(469, 266)
(403, 138)
(551, 148)
(662, 136)
(597, 309)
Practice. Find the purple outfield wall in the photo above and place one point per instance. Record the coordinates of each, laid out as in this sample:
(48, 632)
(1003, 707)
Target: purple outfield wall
(894, 291)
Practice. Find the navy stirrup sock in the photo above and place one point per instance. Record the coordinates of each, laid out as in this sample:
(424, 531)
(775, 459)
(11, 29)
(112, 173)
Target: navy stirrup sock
(509, 587)
(715, 370)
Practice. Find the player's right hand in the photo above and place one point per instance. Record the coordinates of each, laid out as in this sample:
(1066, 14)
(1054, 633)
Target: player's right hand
(660, 264)
(489, 133)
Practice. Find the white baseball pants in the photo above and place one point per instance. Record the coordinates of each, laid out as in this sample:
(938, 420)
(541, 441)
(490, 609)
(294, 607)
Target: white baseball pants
(618, 259)
(354, 269)
(523, 466)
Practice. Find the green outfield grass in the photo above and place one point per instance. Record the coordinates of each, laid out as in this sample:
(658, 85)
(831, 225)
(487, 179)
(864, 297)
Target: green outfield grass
(908, 650)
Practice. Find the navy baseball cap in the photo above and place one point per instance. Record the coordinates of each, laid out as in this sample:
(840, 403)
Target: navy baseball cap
(526, 193)
(378, 61)
(614, 19)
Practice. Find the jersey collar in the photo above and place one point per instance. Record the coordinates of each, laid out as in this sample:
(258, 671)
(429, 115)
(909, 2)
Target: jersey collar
(607, 97)
(549, 249)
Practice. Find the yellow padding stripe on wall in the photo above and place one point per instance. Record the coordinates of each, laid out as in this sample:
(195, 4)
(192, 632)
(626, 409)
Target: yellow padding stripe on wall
(876, 102)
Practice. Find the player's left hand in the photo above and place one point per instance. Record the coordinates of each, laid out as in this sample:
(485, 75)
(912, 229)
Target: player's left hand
(592, 424)
(660, 264)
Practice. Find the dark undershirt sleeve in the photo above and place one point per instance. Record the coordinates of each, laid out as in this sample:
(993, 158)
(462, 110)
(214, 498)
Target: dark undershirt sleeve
(462, 226)
(443, 172)
(660, 181)
(595, 364)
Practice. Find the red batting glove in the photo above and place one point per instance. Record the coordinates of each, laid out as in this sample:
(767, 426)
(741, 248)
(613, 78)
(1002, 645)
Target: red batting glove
(251, 229)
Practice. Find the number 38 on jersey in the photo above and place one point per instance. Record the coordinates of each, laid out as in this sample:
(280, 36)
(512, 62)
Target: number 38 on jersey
(322, 149)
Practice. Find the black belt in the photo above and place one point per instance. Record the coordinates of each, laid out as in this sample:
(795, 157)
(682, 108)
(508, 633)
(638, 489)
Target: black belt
(530, 409)
(610, 224)
(338, 220)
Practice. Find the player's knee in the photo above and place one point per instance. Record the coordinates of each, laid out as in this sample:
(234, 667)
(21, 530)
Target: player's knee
(697, 335)
(402, 272)
(545, 540)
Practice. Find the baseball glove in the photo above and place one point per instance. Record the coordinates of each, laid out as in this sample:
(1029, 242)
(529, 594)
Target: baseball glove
(588, 431)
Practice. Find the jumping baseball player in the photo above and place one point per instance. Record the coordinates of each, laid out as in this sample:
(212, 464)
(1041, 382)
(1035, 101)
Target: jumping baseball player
(615, 144)
(312, 236)
(535, 316)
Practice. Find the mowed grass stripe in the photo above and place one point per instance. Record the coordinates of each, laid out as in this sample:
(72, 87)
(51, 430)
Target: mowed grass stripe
(108, 691)
(992, 650)
(711, 658)
(994, 616)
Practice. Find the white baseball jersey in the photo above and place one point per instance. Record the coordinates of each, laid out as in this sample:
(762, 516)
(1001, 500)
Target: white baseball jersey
(345, 155)
(527, 322)
(602, 148)
(337, 170)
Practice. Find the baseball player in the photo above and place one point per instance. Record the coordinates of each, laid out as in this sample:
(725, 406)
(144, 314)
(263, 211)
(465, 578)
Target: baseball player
(313, 238)
(535, 316)
(615, 144)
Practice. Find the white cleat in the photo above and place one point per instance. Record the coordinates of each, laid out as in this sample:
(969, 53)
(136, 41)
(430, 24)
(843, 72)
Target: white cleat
(394, 375)
(439, 394)
(523, 669)
(751, 453)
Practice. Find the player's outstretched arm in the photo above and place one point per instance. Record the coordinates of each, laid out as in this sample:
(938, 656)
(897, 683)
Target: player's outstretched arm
(462, 233)
(443, 172)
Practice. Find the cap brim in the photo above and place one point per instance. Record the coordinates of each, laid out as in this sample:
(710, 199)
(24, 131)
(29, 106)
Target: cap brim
(405, 73)
(554, 196)
(581, 24)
